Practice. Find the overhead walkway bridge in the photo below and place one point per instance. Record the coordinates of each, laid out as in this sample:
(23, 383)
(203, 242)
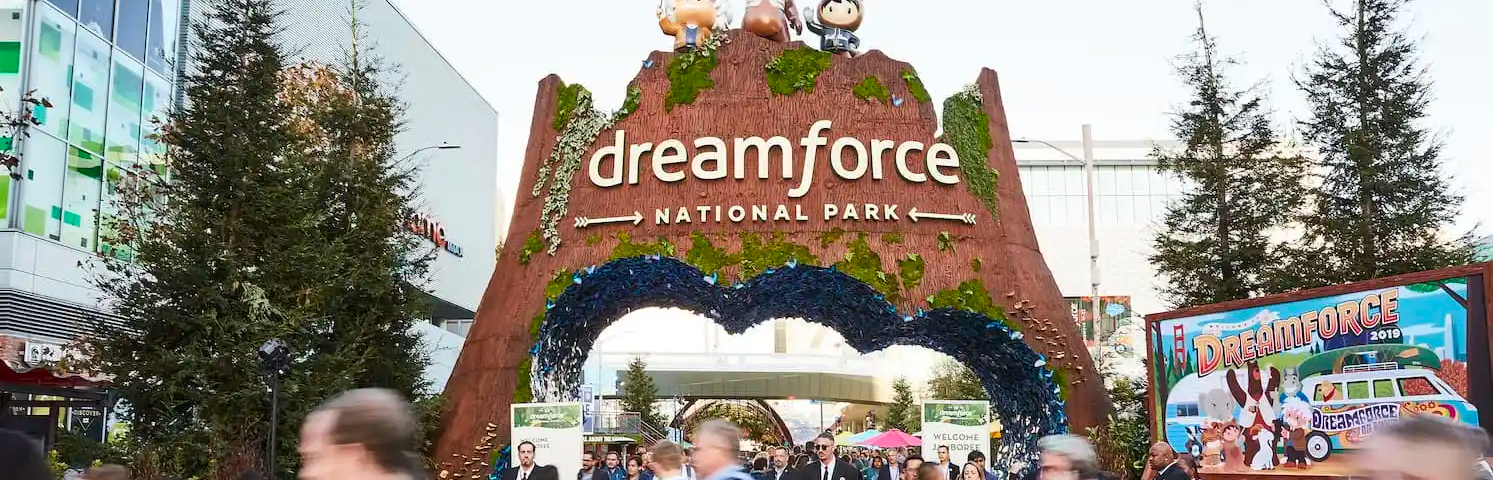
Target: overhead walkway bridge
(753, 376)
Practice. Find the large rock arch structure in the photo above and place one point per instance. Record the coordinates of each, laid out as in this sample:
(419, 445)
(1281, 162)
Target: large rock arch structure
(969, 280)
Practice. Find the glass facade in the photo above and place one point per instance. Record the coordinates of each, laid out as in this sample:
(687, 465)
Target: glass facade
(1125, 194)
(106, 66)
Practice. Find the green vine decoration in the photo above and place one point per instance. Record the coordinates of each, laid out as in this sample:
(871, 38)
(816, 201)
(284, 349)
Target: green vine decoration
(971, 296)
(864, 264)
(966, 127)
(566, 99)
(796, 70)
(585, 123)
(557, 286)
(592, 240)
(891, 238)
(912, 270)
(757, 256)
(626, 248)
(629, 104)
(975, 265)
(945, 242)
(531, 245)
(871, 89)
(523, 389)
(689, 73)
(915, 86)
(1060, 377)
(830, 237)
(706, 256)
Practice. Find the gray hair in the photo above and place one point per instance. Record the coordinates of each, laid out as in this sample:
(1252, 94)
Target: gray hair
(379, 420)
(1076, 449)
(722, 429)
(1439, 430)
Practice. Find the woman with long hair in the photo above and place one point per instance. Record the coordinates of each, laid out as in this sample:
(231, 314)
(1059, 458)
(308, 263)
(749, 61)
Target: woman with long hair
(971, 472)
(873, 471)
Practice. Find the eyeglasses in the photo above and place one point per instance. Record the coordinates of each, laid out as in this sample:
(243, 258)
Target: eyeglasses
(823, 447)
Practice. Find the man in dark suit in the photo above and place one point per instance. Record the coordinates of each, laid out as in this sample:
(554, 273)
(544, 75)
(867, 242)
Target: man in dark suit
(612, 469)
(827, 467)
(779, 468)
(527, 469)
(892, 470)
(1163, 461)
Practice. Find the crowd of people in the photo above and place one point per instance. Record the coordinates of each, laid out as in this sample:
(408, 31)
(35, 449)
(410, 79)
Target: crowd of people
(371, 434)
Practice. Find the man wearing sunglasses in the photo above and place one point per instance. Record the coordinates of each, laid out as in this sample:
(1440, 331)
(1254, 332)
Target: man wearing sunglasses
(827, 467)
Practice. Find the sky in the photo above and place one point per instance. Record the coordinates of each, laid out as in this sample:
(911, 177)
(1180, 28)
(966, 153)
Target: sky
(1062, 63)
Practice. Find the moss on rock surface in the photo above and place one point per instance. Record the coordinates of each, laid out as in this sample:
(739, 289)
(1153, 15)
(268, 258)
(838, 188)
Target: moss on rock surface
(911, 269)
(565, 102)
(706, 256)
(864, 264)
(629, 104)
(758, 255)
(532, 245)
(871, 89)
(970, 296)
(915, 86)
(966, 127)
(626, 248)
(796, 70)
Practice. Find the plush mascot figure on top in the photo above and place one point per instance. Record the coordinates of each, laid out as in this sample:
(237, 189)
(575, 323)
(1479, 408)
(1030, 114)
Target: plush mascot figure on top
(771, 19)
(691, 22)
(836, 22)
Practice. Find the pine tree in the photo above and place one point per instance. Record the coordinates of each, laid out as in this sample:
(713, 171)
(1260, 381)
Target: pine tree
(198, 299)
(639, 393)
(1383, 206)
(903, 413)
(953, 381)
(1215, 244)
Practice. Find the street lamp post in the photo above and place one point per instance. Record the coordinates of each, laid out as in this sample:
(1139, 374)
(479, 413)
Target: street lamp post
(274, 358)
(1089, 173)
(442, 146)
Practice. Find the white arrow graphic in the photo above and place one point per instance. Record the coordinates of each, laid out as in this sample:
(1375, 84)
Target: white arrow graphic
(968, 218)
(583, 222)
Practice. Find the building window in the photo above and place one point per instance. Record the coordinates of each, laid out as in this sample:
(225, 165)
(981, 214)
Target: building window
(165, 21)
(98, 16)
(125, 110)
(44, 159)
(90, 93)
(80, 198)
(52, 68)
(131, 31)
(68, 6)
(459, 327)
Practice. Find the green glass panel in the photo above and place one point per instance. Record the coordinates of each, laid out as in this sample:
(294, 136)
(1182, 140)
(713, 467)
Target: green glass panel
(35, 221)
(10, 57)
(56, 213)
(71, 219)
(49, 41)
(4, 198)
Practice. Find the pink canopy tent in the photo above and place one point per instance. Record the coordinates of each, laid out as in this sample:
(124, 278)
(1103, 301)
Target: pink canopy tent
(893, 439)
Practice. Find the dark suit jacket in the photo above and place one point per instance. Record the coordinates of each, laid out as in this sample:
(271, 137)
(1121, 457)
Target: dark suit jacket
(814, 470)
(886, 472)
(773, 475)
(541, 472)
(1173, 472)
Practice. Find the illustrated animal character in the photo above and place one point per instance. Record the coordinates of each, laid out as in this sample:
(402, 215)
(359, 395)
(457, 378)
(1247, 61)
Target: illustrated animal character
(691, 22)
(1290, 385)
(1260, 448)
(1194, 445)
(835, 21)
(1212, 454)
(1295, 419)
(1257, 403)
(1217, 406)
(771, 19)
(1233, 456)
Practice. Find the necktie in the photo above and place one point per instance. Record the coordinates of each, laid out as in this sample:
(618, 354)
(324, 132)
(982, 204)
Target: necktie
(525, 476)
(826, 473)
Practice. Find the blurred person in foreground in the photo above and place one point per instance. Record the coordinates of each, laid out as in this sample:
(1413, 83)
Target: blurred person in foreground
(910, 467)
(368, 434)
(1067, 457)
(112, 472)
(930, 471)
(668, 460)
(716, 448)
(1423, 447)
(22, 458)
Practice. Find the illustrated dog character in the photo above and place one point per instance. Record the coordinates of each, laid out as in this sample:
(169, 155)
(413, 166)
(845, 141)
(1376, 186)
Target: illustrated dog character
(835, 21)
(1295, 420)
(1258, 408)
(1260, 448)
(1233, 456)
(771, 19)
(691, 22)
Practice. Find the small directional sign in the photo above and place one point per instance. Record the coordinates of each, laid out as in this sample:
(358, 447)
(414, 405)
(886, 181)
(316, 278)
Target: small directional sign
(583, 222)
(915, 215)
